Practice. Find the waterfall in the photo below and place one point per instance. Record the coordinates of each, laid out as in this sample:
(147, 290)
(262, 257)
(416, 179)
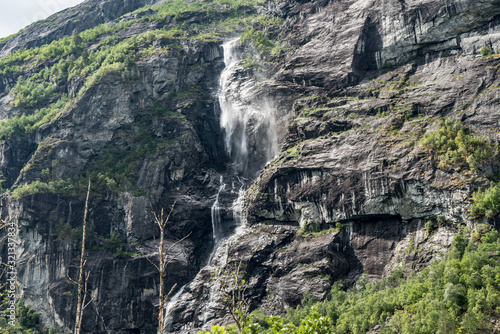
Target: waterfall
(171, 304)
(217, 231)
(248, 125)
(231, 117)
(247, 118)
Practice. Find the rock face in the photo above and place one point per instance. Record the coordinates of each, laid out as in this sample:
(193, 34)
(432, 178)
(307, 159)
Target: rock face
(352, 169)
(84, 16)
(346, 98)
(114, 117)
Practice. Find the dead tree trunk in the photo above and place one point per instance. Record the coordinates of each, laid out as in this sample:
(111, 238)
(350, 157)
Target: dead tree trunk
(165, 257)
(83, 277)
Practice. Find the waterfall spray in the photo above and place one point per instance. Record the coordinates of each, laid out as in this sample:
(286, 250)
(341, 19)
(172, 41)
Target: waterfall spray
(247, 122)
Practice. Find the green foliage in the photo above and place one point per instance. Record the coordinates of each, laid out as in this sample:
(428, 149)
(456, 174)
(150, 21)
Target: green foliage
(250, 62)
(6, 328)
(116, 245)
(486, 51)
(433, 224)
(26, 316)
(314, 230)
(4, 40)
(37, 187)
(486, 203)
(64, 231)
(259, 39)
(453, 145)
(32, 94)
(258, 36)
(21, 125)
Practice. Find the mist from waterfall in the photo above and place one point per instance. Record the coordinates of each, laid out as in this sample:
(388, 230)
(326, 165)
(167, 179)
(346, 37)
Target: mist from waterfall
(247, 120)
(250, 140)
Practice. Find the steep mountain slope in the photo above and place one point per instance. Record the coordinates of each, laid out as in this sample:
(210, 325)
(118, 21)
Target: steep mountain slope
(353, 94)
(360, 185)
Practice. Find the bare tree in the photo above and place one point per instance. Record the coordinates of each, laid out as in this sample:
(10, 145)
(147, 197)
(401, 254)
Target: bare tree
(165, 258)
(233, 288)
(83, 277)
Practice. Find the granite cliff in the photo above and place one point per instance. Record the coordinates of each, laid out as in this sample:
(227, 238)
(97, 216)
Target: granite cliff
(295, 138)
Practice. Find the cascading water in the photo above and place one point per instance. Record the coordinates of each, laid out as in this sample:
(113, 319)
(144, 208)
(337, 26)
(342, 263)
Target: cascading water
(217, 231)
(171, 305)
(247, 121)
(230, 118)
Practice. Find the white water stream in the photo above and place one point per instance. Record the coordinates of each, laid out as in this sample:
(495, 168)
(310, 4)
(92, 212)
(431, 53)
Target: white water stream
(250, 141)
(217, 231)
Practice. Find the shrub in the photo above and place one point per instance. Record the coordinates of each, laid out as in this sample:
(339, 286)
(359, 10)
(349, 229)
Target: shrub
(32, 94)
(117, 246)
(453, 145)
(486, 51)
(64, 231)
(486, 203)
(26, 316)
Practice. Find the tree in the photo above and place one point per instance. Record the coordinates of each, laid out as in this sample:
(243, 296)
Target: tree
(164, 259)
(83, 278)
(233, 288)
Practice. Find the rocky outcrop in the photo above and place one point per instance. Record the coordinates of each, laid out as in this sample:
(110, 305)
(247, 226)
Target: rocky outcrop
(335, 43)
(71, 21)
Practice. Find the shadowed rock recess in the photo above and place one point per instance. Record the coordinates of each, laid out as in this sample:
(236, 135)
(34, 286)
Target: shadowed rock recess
(306, 161)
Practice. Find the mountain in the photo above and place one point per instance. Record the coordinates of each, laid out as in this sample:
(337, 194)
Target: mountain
(305, 142)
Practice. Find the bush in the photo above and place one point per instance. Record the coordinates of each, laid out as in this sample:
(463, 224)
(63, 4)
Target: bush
(27, 317)
(486, 51)
(486, 203)
(65, 231)
(117, 246)
(32, 94)
(453, 145)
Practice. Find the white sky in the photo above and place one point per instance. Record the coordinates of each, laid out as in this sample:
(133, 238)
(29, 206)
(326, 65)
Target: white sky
(16, 14)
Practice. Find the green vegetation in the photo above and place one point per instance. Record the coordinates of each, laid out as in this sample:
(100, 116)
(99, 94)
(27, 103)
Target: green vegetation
(5, 39)
(27, 321)
(116, 245)
(485, 51)
(39, 187)
(27, 317)
(250, 62)
(316, 230)
(64, 231)
(52, 65)
(21, 125)
(431, 225)
(32, 94)
(258, 35)
(486, 203)
(453, 145)
(458, 294)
